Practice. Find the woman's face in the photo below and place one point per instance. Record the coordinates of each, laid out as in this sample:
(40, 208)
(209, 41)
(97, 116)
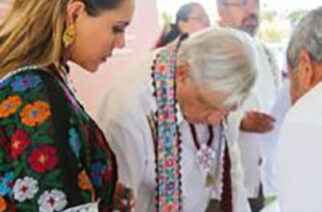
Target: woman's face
(97, 36)
(197, 20)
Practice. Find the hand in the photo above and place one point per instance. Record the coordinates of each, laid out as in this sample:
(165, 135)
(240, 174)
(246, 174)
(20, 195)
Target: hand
(123, 198)
(256, 122)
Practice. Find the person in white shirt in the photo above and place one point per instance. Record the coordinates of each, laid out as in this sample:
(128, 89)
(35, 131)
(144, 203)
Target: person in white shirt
(299, 152)
(259, 128)
(215, 71)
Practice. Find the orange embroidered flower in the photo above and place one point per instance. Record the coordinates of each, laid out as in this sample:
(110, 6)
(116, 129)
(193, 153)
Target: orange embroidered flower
(84, 182)
(3, 204)
(36, 113)
(169, 208)
(9, 106)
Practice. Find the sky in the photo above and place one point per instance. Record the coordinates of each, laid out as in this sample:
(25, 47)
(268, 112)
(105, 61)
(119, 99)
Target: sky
(278, 5)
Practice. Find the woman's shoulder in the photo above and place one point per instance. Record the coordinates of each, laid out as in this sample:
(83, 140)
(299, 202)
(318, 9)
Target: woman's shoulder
(30, 87)
(28, 80)
(26, 76)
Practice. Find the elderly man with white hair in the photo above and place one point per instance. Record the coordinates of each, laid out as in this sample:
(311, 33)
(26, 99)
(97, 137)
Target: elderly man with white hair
(171, 110)
(300, 148)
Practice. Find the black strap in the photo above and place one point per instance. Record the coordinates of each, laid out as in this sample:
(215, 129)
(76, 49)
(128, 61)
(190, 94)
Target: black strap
(60, 117)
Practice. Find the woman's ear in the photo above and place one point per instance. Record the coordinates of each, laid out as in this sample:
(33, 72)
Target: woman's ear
(74, 10)
(307, 74)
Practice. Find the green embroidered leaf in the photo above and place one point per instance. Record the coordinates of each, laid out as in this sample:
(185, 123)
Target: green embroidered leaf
(41, 139)
(18, 167)
(2, 154)
(86, 196)
(44, 126)
(52, 180)
(4, 167)
(27, 205)
(53, 175)
(7, 122)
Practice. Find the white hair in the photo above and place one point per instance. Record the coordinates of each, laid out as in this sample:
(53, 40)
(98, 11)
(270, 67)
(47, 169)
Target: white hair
(307, 35)
(222, 60)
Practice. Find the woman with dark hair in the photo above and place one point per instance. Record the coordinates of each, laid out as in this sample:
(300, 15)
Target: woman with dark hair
(190, 18)
(53, 157)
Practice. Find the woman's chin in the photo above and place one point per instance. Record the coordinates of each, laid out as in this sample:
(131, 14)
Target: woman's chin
(92, 67)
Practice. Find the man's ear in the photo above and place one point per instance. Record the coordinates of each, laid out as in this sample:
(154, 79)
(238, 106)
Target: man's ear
(305, 66)
(182, 72)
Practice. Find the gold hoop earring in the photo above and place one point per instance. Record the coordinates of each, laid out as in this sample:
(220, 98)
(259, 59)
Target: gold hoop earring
(69, 35)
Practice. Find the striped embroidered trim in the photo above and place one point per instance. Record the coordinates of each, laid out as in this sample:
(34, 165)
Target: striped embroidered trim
(167, 139)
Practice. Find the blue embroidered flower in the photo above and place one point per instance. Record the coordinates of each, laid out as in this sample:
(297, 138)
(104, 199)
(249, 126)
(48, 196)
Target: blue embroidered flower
(167, 140)
(97, 172)
(74, 141)
(3, 83)
(24, 83)
(5, 182)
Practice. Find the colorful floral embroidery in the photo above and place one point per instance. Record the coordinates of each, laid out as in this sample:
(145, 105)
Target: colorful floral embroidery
(19, 142)
(43, 159)
(30, 171)
(169, 208)
(25, 188)
(9, 106)
(167, 140)
(36, 113)
(51, 201)
(5, 184)
(74, 141)
(3, 204)
(22, 83)
(84, 182)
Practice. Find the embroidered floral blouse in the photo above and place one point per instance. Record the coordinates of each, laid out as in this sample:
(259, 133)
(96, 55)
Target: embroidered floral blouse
(53, 157)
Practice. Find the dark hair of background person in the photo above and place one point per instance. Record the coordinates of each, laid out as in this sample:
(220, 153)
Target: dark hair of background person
(172, 31)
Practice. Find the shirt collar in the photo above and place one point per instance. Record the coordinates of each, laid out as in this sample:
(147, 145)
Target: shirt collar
(180, 118)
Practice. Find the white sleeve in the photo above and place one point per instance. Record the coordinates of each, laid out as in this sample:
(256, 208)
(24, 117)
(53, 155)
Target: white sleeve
(277, 72)
(124, 126)
(240, 198)
(299, 170)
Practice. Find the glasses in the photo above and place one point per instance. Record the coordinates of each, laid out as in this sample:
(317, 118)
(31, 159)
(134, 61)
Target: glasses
(199, 18)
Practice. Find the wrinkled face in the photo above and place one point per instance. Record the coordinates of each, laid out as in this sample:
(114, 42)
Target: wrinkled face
(240, 14)
(198, 105)
(304, 78)
(198, 19)
(98, 36)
